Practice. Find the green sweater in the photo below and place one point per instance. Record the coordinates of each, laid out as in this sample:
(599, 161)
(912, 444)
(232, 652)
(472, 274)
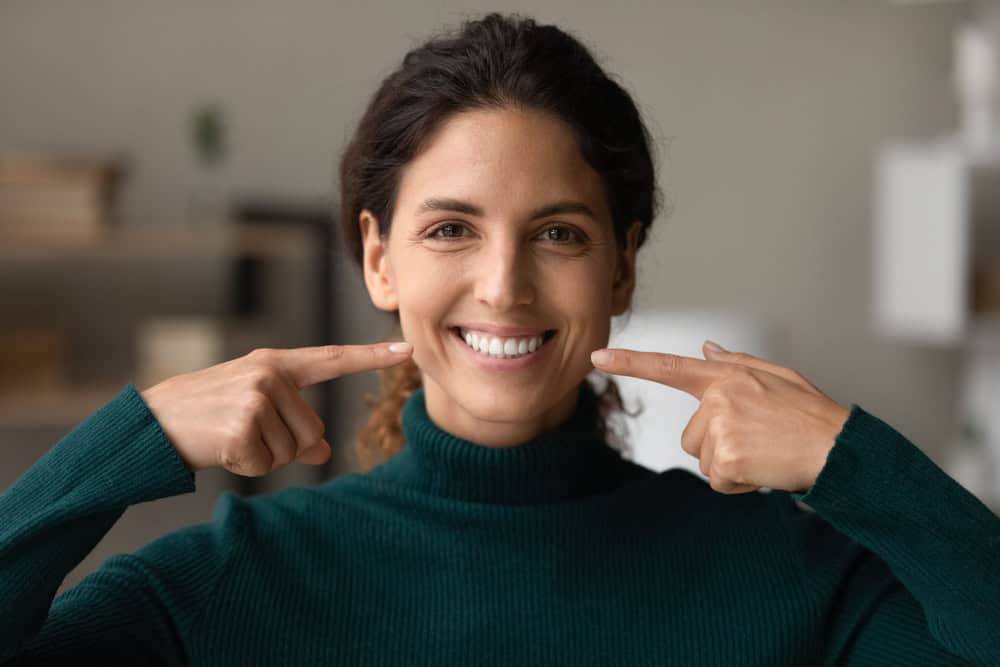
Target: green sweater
(556, 552)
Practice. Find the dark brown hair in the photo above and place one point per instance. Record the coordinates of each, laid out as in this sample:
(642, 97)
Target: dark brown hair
(491, 63)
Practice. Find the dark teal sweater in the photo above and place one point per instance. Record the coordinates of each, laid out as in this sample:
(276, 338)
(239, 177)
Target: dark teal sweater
(556, 552)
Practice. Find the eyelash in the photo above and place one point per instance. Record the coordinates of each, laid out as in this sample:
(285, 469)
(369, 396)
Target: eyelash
(580, 237)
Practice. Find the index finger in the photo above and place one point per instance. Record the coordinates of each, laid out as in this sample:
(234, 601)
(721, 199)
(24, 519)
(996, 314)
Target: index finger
(309, 365)
(685, 373)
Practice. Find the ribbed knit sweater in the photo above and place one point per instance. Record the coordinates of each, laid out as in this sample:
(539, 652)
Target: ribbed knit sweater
(559, 551)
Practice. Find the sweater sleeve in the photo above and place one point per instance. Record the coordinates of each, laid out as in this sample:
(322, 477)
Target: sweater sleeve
(59, 509)
(923, 587)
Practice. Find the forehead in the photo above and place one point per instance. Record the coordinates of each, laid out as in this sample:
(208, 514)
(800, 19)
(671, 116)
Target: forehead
(506, 161)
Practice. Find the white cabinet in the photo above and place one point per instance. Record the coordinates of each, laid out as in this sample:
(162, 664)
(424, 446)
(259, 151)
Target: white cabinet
(936, 269)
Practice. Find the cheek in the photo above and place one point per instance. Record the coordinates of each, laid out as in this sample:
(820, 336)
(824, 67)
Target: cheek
(593, 299)
(424, 286)
(582, 297)
(585, 292)
(424, 305)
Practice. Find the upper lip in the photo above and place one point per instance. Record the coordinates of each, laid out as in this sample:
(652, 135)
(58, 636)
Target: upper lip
(502, 330)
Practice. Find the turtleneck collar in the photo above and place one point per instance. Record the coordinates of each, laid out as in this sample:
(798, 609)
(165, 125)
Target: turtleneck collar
(571, 460)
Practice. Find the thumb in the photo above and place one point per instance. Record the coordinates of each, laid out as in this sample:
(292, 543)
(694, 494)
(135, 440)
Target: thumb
(713, 350)
(315, 455)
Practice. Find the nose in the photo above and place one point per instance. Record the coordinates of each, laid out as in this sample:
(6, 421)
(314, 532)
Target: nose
(504, 278)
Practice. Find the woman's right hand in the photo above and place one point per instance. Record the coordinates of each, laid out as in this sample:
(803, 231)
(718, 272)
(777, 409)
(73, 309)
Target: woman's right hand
(247, 415)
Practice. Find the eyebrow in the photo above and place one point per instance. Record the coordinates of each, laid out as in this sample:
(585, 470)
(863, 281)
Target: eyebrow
(459, 206)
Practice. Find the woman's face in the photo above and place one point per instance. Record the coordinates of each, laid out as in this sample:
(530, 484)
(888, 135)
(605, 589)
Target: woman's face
(502, 235)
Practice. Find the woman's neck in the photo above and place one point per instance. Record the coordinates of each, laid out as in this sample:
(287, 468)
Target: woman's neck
(569, 461)
(448, 413)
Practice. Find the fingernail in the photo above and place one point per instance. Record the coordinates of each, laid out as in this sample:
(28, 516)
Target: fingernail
(715, 346)
(600, 357)
(400, 347)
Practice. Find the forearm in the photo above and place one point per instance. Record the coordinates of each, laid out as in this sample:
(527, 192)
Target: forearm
(940, 541)
(56, 512)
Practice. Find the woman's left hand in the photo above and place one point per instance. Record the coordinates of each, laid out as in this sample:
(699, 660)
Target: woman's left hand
(758, 424)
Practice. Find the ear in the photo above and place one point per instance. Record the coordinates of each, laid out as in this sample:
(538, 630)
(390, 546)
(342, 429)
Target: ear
(624, 285)
(375, 262)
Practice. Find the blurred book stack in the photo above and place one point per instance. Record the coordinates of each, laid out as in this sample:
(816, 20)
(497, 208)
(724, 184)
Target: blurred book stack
(32, 358)
(986, 290)
(49, 198)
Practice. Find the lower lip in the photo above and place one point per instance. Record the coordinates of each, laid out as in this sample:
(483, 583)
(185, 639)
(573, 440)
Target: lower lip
(488, 363)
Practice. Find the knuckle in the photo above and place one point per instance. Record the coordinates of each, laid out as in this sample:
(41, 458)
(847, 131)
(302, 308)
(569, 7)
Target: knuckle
(283, 456)
(687, 443)
(714, 397)
(235, 454)
(728, 464)
(746, 377)
(233, 458)
(237, 436)
(669, 364)
(314, 435)
(334, 352)
(256, 404)
(259, 462)
(718, 430)
(264, 378)
(262, 355)
(229, 458)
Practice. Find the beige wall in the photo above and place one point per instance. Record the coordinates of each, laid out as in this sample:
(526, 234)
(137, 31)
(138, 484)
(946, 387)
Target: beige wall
(766, 115)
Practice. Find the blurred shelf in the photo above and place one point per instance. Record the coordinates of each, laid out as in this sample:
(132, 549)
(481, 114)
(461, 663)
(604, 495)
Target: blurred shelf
(936, 258)
(986, 290)
(54, 408)
(68, 407)
(225, 239)
(265, 249)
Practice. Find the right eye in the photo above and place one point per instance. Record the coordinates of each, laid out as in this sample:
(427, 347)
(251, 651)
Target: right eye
(449, 230)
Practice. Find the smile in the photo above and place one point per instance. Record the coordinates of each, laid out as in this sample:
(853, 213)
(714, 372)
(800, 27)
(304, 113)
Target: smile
(497, 347)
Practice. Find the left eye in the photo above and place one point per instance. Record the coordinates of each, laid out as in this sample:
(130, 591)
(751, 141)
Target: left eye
(561, 234)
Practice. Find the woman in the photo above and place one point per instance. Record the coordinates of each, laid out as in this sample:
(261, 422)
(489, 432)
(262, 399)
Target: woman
(495, 194)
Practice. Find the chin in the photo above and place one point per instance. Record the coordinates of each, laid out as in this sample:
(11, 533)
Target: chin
(499, 408)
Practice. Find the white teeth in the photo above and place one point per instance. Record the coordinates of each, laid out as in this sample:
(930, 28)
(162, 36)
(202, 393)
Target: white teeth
(501, 347)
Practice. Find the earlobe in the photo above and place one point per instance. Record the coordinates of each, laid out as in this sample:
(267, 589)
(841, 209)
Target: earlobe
(375, 263)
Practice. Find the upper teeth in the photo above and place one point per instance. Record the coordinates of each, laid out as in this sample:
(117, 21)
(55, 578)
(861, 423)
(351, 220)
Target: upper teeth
(501, 347)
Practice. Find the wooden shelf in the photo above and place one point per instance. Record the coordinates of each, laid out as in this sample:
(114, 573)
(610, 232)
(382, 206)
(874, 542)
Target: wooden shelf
(224, 239)
(126, 249)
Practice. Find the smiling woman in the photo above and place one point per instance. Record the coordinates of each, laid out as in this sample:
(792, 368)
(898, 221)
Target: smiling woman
(495, 194)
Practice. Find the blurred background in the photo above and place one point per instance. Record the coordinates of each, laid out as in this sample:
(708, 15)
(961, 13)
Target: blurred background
(168, 201)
